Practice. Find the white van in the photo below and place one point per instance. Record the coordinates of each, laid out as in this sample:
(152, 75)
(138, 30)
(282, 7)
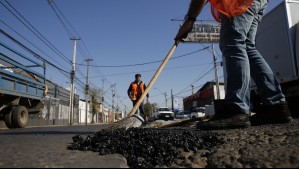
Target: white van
(197, 112)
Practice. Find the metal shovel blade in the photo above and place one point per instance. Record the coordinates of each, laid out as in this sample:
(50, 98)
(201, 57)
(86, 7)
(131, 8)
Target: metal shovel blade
(127, 122)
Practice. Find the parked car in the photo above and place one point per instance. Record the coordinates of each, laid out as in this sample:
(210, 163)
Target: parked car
(183, 115)
(197, 112)
(164, 113)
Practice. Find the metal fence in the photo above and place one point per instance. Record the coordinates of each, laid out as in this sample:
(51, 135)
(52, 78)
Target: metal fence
(55, 112)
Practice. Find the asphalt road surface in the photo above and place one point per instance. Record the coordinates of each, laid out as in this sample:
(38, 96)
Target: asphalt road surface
(46, 147)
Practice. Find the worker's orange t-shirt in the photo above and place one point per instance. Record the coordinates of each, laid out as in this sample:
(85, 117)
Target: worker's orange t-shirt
(229, 8)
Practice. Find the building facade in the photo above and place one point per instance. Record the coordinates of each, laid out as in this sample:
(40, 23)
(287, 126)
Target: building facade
(204, 96)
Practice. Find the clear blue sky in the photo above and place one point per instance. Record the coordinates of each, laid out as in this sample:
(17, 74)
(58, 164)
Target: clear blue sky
(115, 33)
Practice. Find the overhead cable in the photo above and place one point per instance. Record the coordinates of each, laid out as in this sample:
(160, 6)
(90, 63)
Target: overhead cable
(146, 63)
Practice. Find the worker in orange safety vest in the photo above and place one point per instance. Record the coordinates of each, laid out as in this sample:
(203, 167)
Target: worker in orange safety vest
(135, 91)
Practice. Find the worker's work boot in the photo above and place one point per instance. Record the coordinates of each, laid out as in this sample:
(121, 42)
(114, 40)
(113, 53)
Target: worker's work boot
(272, 114)
(227, 119)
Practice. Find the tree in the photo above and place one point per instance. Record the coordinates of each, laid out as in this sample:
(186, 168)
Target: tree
(149, 109)
(94, 103)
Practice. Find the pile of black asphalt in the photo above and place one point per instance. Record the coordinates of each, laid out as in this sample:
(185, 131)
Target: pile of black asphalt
(145, 147)
(257, 146)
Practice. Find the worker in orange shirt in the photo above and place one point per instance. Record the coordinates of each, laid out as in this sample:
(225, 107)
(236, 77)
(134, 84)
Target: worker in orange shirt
(135, 91)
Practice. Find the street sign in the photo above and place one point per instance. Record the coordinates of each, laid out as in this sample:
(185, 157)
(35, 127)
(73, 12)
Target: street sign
(175, 105)
(204, 33)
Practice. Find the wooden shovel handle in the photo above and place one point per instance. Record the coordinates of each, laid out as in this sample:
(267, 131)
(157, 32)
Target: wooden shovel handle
(154, 78)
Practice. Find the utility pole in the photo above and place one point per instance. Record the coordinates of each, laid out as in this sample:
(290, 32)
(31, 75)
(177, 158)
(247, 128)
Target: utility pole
(172, 100)
(71, 112)
(103, 110)
(86, 89)
(183, 103)
(165, 94)
(216, 73)
(117, 110)
(192, 86)
(113, 95)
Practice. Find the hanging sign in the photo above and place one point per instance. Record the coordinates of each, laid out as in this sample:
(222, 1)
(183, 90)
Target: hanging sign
(204, 33)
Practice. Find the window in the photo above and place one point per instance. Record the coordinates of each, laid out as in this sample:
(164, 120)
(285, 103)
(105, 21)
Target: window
(164, 109)
(198, 109)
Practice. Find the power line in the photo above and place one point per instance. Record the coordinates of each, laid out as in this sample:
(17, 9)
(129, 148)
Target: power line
(48, 43)
(64, 26)
(152, 70)
(38, 56)
(64, 72)
(30, 43)
(52, 2)
(183, 91)
(146, 63)
(56, 51)
(68, 29)
(79, 45)
(70, 34)
(32, 52)
(43, 39)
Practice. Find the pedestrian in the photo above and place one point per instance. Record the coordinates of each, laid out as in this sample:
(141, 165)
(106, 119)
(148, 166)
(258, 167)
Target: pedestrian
(135, 91)
(239, 23)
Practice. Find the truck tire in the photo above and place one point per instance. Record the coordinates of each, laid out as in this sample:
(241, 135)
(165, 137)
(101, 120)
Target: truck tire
(20, 116)
(8, 119)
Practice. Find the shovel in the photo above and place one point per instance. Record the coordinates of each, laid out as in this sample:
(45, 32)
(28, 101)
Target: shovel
(184, 122)
(134, 120)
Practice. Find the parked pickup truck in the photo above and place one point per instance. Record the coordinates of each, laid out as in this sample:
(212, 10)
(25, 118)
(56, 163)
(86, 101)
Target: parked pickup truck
(164, 113)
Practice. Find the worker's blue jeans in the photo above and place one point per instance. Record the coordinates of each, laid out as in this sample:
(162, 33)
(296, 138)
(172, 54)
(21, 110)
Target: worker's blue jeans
(141, 109)
(242, 60)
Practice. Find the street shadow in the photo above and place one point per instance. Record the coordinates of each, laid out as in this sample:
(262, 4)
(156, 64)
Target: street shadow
(48, 133)
(51, 131)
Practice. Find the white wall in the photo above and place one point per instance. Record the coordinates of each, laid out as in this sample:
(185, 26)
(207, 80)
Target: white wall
(82, 113)
(221, 91)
